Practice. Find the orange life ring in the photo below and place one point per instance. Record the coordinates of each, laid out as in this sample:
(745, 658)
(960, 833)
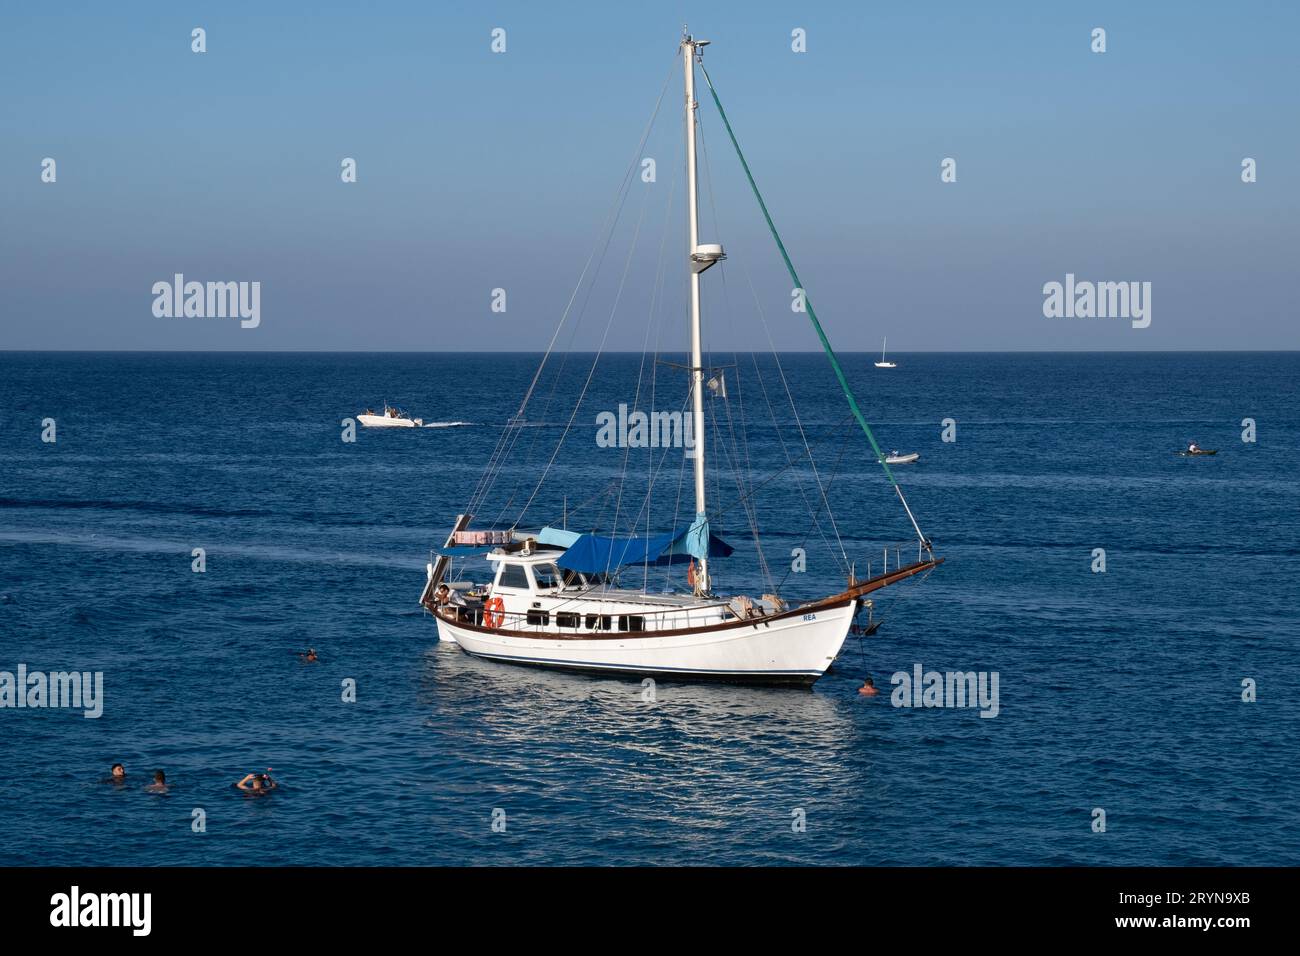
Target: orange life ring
(494, 612)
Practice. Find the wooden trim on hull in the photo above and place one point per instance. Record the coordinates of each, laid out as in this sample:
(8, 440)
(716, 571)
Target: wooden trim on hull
(892, 577)
(635, 674)
(825, 604)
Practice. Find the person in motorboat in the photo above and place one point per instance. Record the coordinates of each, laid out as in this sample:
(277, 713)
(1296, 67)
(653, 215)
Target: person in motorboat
(868, 688)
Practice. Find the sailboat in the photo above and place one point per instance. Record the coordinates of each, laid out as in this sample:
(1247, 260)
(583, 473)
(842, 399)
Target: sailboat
(882, 363)
(555, 598)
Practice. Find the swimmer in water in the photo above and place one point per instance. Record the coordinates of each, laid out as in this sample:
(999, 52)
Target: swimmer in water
(159, 784)
(309, 657)
(868, 688)
(117, 775)
(257, 783)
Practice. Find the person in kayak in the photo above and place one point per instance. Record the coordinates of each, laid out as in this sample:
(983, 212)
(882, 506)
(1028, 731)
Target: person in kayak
(1192, 447)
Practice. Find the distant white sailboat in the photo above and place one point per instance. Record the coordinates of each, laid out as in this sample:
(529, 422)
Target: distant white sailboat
(882, 363)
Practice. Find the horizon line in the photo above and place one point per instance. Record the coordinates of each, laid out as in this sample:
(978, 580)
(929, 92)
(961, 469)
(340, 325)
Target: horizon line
(299, 351)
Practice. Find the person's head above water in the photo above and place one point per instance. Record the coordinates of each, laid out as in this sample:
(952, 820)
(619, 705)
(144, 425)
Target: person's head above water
(159, 777)
(118, 770)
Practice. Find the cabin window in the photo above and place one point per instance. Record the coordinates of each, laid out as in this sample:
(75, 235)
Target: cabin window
(512, 576)
(539, 618)
(598, 622)
(631, 622)
(547, 576)
(567, 620)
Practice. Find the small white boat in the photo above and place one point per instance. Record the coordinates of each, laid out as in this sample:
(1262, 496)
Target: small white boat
(882, 363)
(391, 418)
(895, 458)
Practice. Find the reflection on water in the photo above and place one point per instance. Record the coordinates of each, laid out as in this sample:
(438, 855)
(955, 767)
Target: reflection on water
(539, 737)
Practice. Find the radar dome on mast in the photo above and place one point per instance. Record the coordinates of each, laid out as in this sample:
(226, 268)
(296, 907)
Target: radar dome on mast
(706, 254)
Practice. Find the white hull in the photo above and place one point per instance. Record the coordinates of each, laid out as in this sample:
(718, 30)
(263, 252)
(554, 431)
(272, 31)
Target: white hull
(383, 421)
(788, 649)
(886, 365)
(902, 459)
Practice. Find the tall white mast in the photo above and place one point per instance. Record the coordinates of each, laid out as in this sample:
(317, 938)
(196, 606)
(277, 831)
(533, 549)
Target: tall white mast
(701, 257)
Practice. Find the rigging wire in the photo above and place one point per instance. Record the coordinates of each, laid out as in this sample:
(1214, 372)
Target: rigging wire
(507, 439)
(595, 361)
(763, 388)
(660, 270)
(812, 315)
(742, 477)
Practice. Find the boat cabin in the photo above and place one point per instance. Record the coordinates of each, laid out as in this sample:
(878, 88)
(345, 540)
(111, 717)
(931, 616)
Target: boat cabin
(536, 594)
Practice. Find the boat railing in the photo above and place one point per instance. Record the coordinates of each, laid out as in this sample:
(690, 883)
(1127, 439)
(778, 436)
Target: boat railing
(891, 559)
(474, 614)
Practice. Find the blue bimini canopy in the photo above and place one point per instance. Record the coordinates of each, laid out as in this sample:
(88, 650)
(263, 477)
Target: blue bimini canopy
(597, 553)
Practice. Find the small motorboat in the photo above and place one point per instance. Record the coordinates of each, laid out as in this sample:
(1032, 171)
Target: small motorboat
(391, 418)
(896, 458)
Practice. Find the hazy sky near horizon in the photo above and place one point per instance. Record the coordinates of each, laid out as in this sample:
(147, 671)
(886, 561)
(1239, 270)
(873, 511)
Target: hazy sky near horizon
(481, 170)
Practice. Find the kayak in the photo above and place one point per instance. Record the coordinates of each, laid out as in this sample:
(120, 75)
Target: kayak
(1198, 452)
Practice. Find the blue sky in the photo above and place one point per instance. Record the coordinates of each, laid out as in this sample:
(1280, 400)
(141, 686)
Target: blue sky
(480, 170)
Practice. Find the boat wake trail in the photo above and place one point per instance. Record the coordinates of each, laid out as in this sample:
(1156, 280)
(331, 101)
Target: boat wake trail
(257, 552)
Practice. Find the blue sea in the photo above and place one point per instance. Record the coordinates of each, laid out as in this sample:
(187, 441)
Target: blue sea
(1119, 691)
